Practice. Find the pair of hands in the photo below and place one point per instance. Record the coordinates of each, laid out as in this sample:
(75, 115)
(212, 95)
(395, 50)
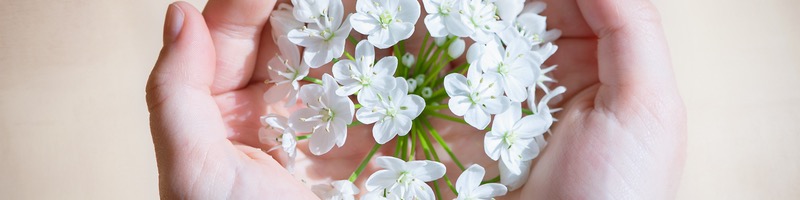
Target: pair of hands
(621, 134)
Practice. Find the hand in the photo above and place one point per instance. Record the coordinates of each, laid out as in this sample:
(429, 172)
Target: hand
(622, 132)
(205, 91)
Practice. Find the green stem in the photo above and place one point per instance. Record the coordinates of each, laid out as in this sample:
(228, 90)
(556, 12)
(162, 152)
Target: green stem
(313, 80)
(437, 107)
(441, 142)
(528, 111)
(302, 137)
(433, 113)
(349, 56)
(413, 149)
(352, 40)
(427, 151)
(354, 123)
(494, 180)
(364, 162)
(436, 157)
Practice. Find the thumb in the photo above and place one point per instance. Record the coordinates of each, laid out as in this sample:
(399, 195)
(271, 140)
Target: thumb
(182, 110)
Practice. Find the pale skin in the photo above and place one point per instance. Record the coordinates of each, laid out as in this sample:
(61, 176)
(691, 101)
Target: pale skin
(622, 132)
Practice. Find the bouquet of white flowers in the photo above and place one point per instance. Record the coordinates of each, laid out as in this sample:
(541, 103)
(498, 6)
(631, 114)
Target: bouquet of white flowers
(397, 94)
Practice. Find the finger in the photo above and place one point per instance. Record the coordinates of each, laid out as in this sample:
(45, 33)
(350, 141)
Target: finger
(235, 27)
(566, 16)
(632, 51)
(178, 97)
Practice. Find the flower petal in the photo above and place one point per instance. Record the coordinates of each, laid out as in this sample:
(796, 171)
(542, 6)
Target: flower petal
(470, 179)
(459, 105)
(432, 170)
(477, 118)
(489, 191)
(381, 179)
(321, 141)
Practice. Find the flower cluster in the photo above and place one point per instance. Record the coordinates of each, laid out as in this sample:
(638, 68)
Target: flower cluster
(496, 83)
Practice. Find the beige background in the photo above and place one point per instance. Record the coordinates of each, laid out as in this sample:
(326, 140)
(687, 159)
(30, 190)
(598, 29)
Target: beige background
(73, 123)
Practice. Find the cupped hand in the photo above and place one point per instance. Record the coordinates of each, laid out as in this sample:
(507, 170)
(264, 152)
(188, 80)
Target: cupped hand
(621, 133)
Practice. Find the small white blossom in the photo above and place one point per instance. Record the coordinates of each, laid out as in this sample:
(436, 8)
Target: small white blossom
(337, 190)
(543, 111)
(444, 18)
(516, 66)
(405, 180)
(391, 111)
(541, 82)
(440, 40)
(512, 137)
(385, 21)
(326, 116)
(324, 39)
(282, 21)
(479, 17)
(529, 27)
(469, 185)
(363, 74)
(287, 140)
(475, 97)
(285, 71)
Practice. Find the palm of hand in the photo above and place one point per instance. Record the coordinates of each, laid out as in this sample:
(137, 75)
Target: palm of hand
(605, 126)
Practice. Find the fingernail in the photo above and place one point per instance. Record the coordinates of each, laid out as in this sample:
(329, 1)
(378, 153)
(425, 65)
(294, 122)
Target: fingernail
(174, 23)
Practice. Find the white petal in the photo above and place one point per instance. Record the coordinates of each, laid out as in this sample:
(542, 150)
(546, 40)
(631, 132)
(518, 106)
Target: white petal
(477, 118)
(459, 105)
(432, 170)
(402, 124)
(413, 105)
(364, 24)
(514, 90)
(277, 92)
(390, 163)
(365, 52)
(490, 190)
(321, 141)
(345, 187)
(386, 66)
(470, 178)
(435, 25)
(496, 105)
(457, 27)
(300, 125)
(409, 11)
(456, 85)
(505, 121)
(381, 179)
(383, 131)
(474, 53)
(492, 144)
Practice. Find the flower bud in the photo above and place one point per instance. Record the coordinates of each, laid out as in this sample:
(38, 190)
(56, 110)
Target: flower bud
(420, 78)
(412, 85)
(440, 40)
(456, 48)
(408, 59)
(474, 53)
(427, 92)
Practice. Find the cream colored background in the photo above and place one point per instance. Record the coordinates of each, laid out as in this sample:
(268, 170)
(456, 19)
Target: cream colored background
(73, 122)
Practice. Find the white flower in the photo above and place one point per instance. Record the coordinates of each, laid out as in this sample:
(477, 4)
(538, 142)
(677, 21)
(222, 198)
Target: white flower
(541, 82)
(324, 39)
(469, 185)
(285, 71)
(479, 17)
(326, 117)
(309, 11)
(512, 137)
(363, 74)
(529, 27)
(282, 21)
(405, 180)
(444, 18)
(287, 140)
(456, 48)
(385, 21)
(475, 97)
(391, 111)
(337, 190)
(516, 66)
(543, 111)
